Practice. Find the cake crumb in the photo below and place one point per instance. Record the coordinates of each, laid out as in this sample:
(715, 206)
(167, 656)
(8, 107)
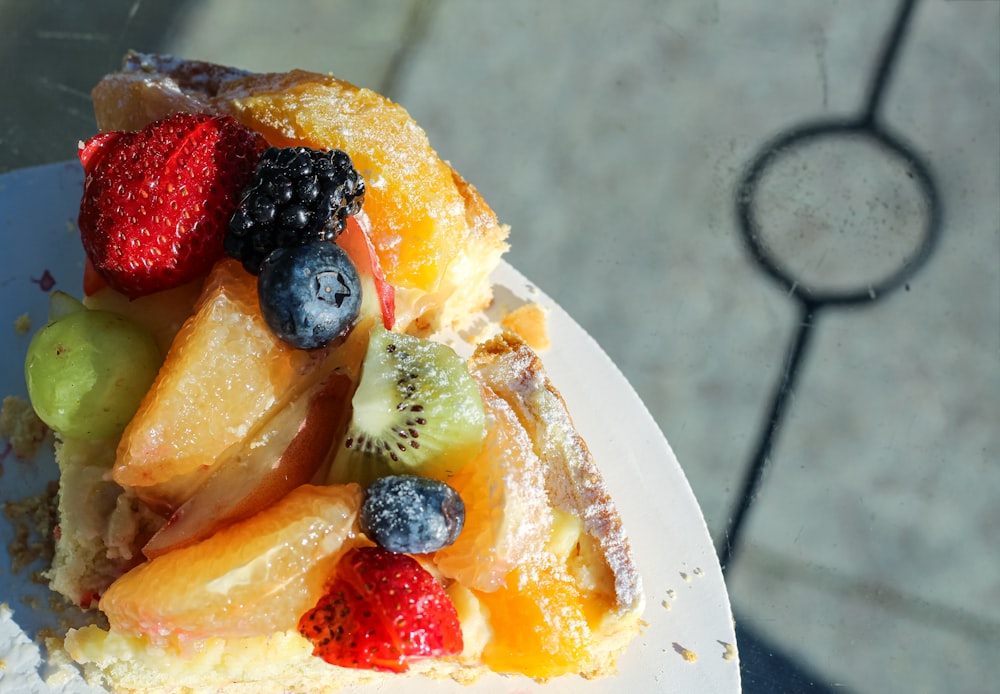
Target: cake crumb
(686, 577)
(22, 324)
(666, 604)
(21, 427)
(530, 323)
(699, 571)
(686, 653)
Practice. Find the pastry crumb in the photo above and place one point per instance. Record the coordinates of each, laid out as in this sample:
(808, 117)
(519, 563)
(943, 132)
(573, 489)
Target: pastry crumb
(685, 576)
(21, 427)
(530, 322)
(729, 652)
(666, 604)
(59, 668)
(22, 324)
(33, 520)
(686, 653)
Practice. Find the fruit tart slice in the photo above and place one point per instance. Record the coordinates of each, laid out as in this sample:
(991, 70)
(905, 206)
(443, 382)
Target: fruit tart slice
(300, 486)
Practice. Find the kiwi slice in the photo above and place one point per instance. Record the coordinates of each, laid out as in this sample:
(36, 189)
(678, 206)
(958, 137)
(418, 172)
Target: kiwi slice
(417, 410)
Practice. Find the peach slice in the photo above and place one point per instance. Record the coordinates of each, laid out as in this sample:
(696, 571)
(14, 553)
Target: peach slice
(162, 313)
(224, 377)
(255, 577)
(286, 453)
(224, 372)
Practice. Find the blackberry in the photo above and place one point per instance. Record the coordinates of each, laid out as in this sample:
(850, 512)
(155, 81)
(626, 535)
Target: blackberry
(297, 195)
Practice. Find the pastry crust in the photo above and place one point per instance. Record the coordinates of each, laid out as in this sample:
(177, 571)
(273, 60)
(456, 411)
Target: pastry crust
(509, 367)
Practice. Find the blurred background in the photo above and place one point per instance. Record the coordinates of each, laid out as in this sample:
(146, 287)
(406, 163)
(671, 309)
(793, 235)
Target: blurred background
(613, 137)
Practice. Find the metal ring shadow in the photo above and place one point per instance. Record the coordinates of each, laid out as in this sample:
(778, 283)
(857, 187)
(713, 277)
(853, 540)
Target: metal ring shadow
(795, 138)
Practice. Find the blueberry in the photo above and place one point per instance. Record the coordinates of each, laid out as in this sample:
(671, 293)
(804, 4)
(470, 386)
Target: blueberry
(310, 294)
(406, 513)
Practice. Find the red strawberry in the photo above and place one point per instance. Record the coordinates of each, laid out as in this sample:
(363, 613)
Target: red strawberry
(356, 242)
(156, 203)
(380, 609)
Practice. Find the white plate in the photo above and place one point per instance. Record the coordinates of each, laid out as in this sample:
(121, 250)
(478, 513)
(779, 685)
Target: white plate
(687, 608)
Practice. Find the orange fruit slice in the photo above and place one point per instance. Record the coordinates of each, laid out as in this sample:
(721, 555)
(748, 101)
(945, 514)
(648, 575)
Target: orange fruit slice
(223, 373)
(507, 515)
(410, 192)
(255, 577)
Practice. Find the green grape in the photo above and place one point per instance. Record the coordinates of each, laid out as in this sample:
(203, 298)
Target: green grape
(87, 372)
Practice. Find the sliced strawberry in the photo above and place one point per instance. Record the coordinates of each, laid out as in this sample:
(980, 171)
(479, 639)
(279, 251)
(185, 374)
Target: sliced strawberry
(356, 241)
(380, 609)
(156, 203)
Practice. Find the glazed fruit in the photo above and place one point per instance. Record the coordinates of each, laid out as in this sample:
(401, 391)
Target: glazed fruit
(508, 519)
(416, 196)
(416, 515)
(309, 294)
(283, 454)
(380, 610)
(298, 195)
(356, 242)
(156, 203)
(539, 622)
(162, 313)
(417, 410)
(87, 371)
(224, 373)
(252, 578)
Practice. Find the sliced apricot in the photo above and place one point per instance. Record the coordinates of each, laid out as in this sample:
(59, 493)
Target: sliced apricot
(539, 623)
